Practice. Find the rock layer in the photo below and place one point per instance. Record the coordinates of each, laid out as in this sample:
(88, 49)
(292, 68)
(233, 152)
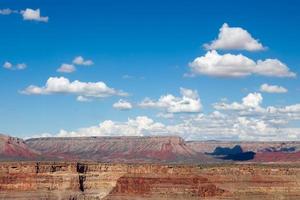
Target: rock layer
(71, 180)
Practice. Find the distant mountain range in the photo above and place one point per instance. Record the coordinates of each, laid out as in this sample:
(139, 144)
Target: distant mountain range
(152, 149)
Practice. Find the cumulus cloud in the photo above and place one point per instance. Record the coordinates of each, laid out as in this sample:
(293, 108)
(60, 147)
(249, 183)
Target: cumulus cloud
(79, 60)
(10, 66)
(230, 65)
(244, 120)
(272, 88)
(33, 15)
(69, 68)
(138, 126)
(122, 105)
(290, 111)
(62, 85)
(251, 106)
(66, 68)
(234, 38)
(251, 101)
(215, 125)
(189, 102)
(273, 67)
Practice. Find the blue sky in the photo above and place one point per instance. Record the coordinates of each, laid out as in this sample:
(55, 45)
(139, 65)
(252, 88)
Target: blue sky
(144, 48)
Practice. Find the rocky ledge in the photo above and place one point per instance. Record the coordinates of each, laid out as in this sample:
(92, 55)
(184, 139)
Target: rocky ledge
(72, 180)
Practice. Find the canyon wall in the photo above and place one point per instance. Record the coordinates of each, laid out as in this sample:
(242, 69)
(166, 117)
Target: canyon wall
(72, 180)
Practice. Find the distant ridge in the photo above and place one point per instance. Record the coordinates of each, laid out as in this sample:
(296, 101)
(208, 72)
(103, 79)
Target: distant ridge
(12, 148)
(142, 149)
(162, 149)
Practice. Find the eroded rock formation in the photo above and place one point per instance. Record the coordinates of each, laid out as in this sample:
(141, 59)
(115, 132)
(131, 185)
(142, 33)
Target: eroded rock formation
(71, 180)
(12, 148)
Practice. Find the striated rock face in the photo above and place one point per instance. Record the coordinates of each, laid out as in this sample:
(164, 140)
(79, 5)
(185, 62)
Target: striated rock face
(12, 148)
(183, 186)
(120, 149)
(71, 180)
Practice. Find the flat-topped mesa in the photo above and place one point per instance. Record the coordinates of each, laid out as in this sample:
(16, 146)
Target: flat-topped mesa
(171, 139)
(118, 149)
(134, 143)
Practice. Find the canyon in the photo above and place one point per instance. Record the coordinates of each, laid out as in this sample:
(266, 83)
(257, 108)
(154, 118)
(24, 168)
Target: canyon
(154, 167)
(88, 180)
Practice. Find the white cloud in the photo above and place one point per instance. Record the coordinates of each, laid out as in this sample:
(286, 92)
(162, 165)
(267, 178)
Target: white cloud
(66, 68)
(69, 68)
(139, 126)
(126, 76)
(7, 11)
(273, 67)
(10, 66)
(214, 64)
(7, 65)
(79, 60)
(21, 66)
(34, 15)
(251, 101)
(272, 88)
(188, 103)
(249, 122)
(229, 65)
(165, 115)
(234, 38)
(196, 127)
(61, 85)
(83, 99)
(251, 107)
(122, 105)
(290, 111)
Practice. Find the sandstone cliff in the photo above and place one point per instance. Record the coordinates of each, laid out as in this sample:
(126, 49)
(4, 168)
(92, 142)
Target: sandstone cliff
(62, 180)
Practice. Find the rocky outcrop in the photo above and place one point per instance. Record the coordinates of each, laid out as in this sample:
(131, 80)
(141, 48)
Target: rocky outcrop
(183, 186)
(71, 180)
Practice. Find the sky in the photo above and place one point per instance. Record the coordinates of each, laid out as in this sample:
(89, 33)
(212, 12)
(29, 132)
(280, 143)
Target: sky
(201, 70)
